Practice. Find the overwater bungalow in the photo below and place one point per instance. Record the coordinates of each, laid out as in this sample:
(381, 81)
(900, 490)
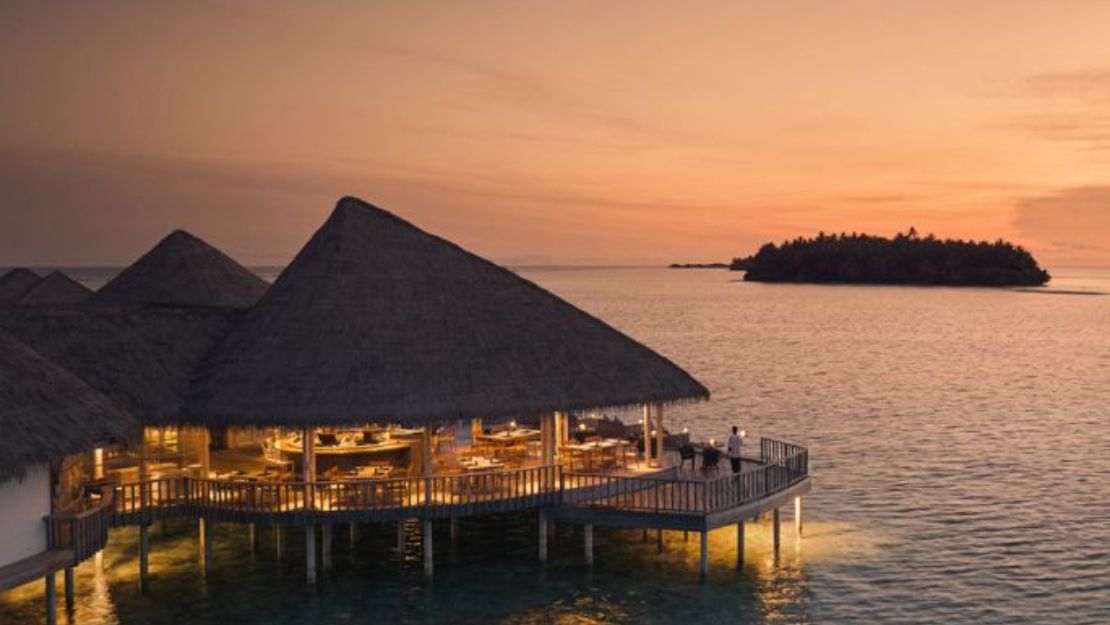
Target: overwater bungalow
(51, 420)
(389, 375)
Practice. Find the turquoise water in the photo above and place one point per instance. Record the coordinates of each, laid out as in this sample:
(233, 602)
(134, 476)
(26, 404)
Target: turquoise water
(958, 437)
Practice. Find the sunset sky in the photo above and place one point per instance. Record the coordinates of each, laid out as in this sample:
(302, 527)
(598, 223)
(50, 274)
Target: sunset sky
(553, 132)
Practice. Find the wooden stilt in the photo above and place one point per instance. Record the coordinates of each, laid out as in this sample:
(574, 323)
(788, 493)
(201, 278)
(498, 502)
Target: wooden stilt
(454, 532)
(703, 567)
(798, 516)
(277, 541)
(310, 554)
(354, 530)
(401, 536)
(144, 555)
(51, 601)
(543, 536)
(776, 530)
(426, 540)
(659, 540)
(69, 589)
(588, 543)
(205, 549)
(740, 545)
(253, 536)
(326, 546)
(685, 536)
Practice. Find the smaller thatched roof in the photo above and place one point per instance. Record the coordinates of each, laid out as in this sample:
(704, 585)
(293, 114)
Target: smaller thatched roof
(56, 289)
(183, 270)
(15, 284)
(47, 412)
(144, 360)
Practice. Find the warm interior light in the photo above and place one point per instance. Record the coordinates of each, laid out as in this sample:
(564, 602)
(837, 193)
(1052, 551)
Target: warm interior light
(512, 424)
(685, 430)
(582, 427)
(743, 433)
(712, 442)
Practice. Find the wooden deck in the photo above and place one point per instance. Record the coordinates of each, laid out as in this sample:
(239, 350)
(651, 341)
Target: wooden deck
(665, 498)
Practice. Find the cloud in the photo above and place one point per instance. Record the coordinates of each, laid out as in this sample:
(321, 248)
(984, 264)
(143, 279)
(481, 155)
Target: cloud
(1069, 107)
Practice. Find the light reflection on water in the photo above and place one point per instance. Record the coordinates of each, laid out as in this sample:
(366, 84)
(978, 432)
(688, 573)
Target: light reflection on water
(958, 436)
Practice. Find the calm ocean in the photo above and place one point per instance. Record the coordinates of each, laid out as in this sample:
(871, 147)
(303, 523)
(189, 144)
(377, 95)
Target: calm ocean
(960, 440)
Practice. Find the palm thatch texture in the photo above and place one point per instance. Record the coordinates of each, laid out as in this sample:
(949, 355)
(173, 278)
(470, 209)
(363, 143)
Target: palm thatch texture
(183, 270)
(144, 360)
(15, 284)
(376, 320)
(56, 289)
(47, 412)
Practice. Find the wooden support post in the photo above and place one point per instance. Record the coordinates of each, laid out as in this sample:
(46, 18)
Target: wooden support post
(310, 554)
(660, 457)
(588, 543)
(277, 541)
(740, 545)
(354, 530)
(454, 532)
(144, 554)
(69, 589)
(308, 467)
(253, 536)
(205, 539)
(659, 541)
(401, 536)
(426, 540)
(51, 600)
(475, 431)
(703, 567)
(647, 435)
(543, 536)
(798, 517)
(326, 546)
(776, 531)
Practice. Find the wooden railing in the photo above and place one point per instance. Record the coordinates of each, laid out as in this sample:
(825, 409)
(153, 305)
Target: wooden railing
(84, 533)
(781, 466)
(470, 493)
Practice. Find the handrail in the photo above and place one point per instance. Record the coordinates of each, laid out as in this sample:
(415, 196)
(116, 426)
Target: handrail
(782, 465)
(84, 533)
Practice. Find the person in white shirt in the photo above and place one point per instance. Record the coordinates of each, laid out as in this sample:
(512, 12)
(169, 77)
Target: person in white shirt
(734, 449)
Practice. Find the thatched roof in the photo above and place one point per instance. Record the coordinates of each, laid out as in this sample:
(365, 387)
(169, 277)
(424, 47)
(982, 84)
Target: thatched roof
(378, 320)
(55, 289)
(15, 284)
(47, 412)
(144, 360)
(183, 270)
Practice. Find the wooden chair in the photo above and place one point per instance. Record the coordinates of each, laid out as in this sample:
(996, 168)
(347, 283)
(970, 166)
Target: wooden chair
(687, 452)
(710, 460)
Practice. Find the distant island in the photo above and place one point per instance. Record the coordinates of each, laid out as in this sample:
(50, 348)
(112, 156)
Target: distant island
(700, 266)
(906, 259)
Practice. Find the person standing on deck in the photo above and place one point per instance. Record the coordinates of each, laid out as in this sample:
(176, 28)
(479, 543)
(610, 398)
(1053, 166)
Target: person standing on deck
(734, 449)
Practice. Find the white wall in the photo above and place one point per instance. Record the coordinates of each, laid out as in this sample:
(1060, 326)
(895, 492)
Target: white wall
(23, 504)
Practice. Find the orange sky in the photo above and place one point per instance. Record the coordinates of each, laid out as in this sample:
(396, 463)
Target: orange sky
(553, 132)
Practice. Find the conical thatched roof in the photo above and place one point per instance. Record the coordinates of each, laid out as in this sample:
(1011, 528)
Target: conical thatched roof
(378, 320)
(47, 412)
(15, 284)
(183, 270)
(144, 360)
(56, 289)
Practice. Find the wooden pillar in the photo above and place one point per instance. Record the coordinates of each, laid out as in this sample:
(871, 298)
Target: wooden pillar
(740, 544)
(475, 430)
(205, 546)
(454, 532)
(647, 435)
(326, 546)
(310, 554)
(277, 541)
(400, 535)
(69, 588)
(144, 554)
(205, 453)
(659, 540)
(308, 466)
(252, 532)
(426, 541)
(798, 517)
(543, 536)
(354, 530)
(660, 457)
(703, 566)
(776, 531)
(51, 600)
(588, 543)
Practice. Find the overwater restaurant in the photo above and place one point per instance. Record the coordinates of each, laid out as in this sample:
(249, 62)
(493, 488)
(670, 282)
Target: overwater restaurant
(386, 375)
